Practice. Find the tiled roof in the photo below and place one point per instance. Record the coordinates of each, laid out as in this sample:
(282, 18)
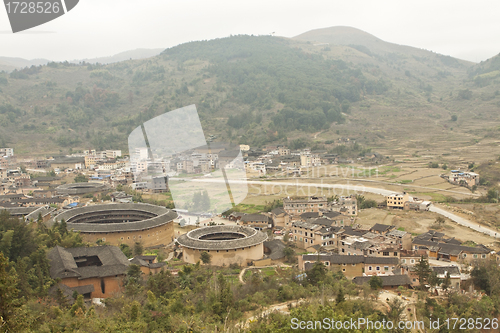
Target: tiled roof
(63, 264)
(255, 218)
(387, 281)
(453, 270)
(381, 227)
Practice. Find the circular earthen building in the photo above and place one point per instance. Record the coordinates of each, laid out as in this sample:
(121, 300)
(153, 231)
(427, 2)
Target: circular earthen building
(119, 223)
(226, 244)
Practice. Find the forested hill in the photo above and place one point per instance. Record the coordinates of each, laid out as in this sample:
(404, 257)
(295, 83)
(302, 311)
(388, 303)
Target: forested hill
(248, 89)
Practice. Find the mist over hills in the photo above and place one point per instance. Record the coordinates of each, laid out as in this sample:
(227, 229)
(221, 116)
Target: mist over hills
(8, 64)
(356, 38)
(260, 90)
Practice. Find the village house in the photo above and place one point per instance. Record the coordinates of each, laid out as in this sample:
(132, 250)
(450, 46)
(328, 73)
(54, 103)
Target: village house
(97, 272)
(351, 266)
(318, 232)
(397, 200)
(468, 179)
(148, 265)
(449, 249)
(347, 205)
(390, 282)
(296, 206)
(454, 274)
(280, 218)
(256, 221)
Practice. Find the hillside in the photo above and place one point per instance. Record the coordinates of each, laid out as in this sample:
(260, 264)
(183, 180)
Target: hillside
(259, 90)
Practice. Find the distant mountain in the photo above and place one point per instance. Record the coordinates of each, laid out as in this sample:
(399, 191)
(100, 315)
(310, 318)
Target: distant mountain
(8, 63)
(363, 41)
(261, 90)
(127, 55)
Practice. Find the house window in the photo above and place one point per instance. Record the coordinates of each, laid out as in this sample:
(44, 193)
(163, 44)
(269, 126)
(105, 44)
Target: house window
(353, 264)
(395, 254)
(386, 268)
(369, 268)
(104, 239)
(385, 254)
(403, 261)
(483, 256)
(475, 256)
(327, 263)
(343, 269)
(377, 268)
(465, 255)
(344, 264)
(412, 261)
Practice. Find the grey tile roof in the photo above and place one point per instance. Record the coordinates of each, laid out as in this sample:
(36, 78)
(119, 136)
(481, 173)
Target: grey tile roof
(381, 227)
(387, 281)
(255, 218)
(353, 259)
(192, 238)
(397, 233)
(164, 216)
(381, 260)
(63, 264)
(351, 232)
(321, 221)
(309, 215)
(331, 215)
(276, 247)
(278, 211)
(452, 249)
(453, 270)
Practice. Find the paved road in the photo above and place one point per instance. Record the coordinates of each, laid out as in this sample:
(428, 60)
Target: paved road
(460, 220)
(340, 189)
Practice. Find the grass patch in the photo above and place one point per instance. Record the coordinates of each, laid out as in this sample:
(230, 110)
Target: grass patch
(436, 197)
(405, 181)
(249, 208)
(268, 271)
(387, 169)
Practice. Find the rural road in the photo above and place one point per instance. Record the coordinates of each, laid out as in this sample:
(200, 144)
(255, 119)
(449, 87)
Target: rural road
(340, 189)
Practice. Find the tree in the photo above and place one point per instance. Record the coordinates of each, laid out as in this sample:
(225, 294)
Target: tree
(340, 296)
(454, 117)
(446, 282)
(80, 178)
(396, 308)
(375, 282)
(138, 249)
(289, 254)
(8, 290)
(126, 250)
(440, 221)
(206, 257)
(423, 271)
(317, 273)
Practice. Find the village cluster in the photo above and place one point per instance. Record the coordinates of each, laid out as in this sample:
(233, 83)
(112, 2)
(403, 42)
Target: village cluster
(320, 229)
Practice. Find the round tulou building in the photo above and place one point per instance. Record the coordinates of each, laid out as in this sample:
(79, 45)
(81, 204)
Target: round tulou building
(226, 244)
(81, 188)
(119, 223)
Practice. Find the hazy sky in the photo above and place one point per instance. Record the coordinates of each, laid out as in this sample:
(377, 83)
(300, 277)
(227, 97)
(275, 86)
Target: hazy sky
(94, 28)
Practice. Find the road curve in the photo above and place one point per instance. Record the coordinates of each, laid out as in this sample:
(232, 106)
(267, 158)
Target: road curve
(339, 189)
